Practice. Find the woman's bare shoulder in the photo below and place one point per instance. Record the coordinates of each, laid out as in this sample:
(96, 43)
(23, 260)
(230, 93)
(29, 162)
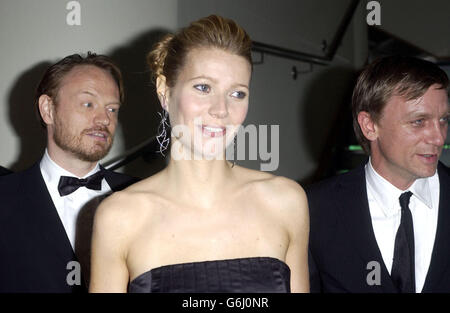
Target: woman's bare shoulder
(129, 207)
(287, 201)
(281, 195)
(278, 187)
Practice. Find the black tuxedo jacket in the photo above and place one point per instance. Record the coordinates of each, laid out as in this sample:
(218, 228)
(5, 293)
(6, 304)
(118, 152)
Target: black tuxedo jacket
(342, 241)
(34, 248)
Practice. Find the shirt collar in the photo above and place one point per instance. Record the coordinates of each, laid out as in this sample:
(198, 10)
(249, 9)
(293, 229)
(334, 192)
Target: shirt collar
(387, 195)
(51, 172)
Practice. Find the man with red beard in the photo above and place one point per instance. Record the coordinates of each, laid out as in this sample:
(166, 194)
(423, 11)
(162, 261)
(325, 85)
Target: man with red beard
(46, 211)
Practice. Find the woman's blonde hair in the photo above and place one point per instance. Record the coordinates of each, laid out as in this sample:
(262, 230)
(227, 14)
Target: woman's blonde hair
(168, 55)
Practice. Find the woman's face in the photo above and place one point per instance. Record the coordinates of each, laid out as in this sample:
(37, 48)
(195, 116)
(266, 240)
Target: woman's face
(208, 103)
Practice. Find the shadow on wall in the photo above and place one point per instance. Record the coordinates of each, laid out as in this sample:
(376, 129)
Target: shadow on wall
(327, 120)
(138, 116)
(24, 117)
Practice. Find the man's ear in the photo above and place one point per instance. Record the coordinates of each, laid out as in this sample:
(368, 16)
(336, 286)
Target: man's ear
(163, 92)
(46, 109)
(367, 125)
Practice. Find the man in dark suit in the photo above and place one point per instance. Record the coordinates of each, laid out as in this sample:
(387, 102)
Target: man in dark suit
(46, 210)
(384, 227)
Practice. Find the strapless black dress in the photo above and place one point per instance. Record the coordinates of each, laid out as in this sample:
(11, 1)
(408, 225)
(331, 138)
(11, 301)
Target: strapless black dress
(243, 275)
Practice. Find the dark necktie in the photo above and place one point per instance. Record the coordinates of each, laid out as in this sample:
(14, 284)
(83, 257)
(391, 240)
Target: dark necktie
(403, 270)
(68, 184)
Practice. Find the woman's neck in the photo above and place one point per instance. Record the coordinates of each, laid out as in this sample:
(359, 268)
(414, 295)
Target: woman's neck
(202, 181)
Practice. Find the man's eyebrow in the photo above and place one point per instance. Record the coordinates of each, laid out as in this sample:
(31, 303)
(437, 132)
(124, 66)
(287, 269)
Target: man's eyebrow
(417, 112)
(95, 95)
(419, 115)
(88, 92)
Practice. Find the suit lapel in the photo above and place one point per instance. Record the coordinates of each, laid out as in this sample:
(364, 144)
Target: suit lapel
(440, 257)
(354, 208)
(44, 216)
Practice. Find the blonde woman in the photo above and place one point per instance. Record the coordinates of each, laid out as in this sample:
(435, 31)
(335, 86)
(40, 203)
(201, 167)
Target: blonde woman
(202, 224)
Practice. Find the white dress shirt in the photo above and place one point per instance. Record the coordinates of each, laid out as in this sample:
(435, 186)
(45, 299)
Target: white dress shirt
(69, 206)
(385, 212)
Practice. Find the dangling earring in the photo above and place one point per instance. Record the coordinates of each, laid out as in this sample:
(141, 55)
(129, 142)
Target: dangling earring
(163, 130)
(235, 151)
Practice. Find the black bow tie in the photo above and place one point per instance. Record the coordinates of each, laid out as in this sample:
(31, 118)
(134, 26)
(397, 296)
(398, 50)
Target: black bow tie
(68, 184)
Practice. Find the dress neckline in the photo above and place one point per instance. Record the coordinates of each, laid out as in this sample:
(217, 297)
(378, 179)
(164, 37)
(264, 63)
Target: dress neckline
(269, 258)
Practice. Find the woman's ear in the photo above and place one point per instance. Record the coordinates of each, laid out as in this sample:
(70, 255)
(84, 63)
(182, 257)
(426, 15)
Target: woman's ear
(46, 109)
(163, 92)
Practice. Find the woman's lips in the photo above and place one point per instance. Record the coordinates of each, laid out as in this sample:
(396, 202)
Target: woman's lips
(213, 131)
